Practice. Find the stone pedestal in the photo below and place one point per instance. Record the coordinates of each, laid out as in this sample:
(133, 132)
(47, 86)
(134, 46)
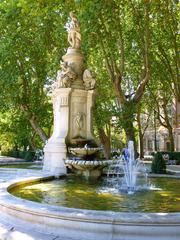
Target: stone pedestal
(54, 155)
(72, 121)
(75, 59)
(55, 150)
(81, 103)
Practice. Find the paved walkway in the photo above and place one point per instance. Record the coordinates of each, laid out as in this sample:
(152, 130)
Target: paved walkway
(19, 230)
(12, 160)
(12, 231)
(174, 169)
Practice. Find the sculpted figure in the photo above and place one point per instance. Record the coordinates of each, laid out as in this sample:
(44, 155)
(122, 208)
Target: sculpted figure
(74, 36)
(89, 80)
(79, 121)
(65, 76)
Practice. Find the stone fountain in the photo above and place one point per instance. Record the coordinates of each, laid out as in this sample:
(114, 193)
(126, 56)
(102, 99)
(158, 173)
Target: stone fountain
(73, 96)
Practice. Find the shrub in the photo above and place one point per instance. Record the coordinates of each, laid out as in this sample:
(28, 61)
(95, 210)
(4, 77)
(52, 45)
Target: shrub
(29, 156)
(26, 155)
(176, 156)
(158, 164)
(173, 156)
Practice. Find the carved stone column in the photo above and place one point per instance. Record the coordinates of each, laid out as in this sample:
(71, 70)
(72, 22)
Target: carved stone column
(80, 121)
(55, 150)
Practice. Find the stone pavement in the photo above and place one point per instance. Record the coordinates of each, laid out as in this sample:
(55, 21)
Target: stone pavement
(4, 159)
(175, 169)
(11, 230)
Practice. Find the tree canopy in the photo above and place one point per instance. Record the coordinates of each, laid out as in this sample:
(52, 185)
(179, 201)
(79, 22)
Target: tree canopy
(132, 47)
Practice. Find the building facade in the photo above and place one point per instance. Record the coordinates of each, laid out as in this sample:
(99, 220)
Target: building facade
(156, 137)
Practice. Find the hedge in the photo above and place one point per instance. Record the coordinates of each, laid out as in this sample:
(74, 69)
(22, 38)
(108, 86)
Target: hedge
(158, 164)
(26, 155)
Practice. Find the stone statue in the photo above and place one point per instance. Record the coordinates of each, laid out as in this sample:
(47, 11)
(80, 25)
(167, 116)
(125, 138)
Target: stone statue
(65, 76)
(89, 80)
(73, 28)
(79, 121)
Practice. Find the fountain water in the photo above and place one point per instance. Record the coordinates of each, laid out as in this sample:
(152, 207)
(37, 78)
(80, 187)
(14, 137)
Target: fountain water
(131, 169)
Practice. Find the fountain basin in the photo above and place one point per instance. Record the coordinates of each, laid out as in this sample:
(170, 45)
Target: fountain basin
(88, 224)
(81, 152)
(87, 168)
(74, 192)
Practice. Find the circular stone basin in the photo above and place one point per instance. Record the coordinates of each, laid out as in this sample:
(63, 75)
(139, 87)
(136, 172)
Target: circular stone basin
(83, 151)
(73, 192)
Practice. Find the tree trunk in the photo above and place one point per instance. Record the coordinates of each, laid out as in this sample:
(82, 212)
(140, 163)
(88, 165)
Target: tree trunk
(128, 119)
(38, 129)
(34, 124)
(141, 143)
(32, 144)
(169, 126)
(105, 140)
(130, 133)
(171, 138)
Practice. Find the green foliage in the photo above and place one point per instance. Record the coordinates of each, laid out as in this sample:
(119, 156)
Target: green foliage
(176, 156)
(31, 44)
(173, 156)
(29, 155)
(33, 40)
(26, 155)
(158, 164)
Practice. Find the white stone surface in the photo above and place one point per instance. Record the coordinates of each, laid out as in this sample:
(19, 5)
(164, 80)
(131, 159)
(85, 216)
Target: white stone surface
(81, 102)
(55, 150)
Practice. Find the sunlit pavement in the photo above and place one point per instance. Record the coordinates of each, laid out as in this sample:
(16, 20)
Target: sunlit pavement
(10, 230)
(175, 169)
(10, 159)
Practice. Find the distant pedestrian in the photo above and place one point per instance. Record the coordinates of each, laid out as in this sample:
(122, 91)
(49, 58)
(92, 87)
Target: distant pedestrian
(125, 153)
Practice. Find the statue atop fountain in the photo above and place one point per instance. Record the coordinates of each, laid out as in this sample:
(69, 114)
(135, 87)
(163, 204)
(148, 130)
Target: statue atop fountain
(73, 28)
(73, 97)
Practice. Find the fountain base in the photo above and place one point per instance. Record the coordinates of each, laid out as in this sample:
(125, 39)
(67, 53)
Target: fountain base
(86, 168)
(84, 224)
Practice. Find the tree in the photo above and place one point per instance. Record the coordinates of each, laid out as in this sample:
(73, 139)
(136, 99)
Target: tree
(104, 105)
(165, 35)
(144, 113)
(165, 56)
(31, 43)
(14, 131)
(162, 103)
(121, 49)
(122, 41)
